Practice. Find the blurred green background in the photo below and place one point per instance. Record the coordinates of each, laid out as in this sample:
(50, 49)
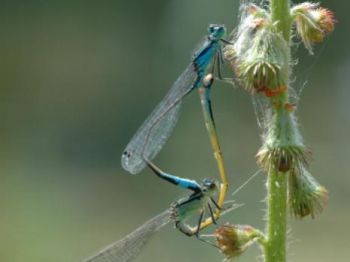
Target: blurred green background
(77, 80)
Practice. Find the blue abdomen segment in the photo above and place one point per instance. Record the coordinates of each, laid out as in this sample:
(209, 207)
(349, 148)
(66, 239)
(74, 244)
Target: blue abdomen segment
(186, 183)
(182, 182)
(179, 181)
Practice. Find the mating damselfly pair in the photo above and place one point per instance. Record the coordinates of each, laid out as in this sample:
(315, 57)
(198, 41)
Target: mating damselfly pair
(150, 139)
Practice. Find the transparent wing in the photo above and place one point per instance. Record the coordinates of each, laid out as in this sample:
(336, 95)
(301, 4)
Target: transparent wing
(155, 131)
(127, 248)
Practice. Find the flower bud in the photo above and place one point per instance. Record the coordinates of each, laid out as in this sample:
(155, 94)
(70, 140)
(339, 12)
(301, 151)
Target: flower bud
(283, 148)
(313, 23)
(233, 240)
(305, 195)
(260, 54)
(253, 18)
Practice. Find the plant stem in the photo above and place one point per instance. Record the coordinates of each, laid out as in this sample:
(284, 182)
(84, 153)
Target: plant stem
(276, 228)
(280, 13)
(275, 246)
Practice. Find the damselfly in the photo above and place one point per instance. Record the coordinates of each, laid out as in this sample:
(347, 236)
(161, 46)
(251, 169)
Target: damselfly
(195, 204)
(154, 132)
(180, 211)
(129, 247)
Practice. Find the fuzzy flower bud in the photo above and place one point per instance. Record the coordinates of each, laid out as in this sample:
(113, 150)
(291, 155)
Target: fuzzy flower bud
(253, 18)
(254, 11)
(259, 55)
(233, 240)
(283, 148)
(305, 195)
(313, 23)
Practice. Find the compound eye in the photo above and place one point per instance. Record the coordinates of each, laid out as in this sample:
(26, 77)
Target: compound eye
(212, 185)
(212, 28)
(208, 183)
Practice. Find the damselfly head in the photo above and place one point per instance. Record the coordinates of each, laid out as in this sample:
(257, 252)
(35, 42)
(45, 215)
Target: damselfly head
(216, 31)
(210, 184)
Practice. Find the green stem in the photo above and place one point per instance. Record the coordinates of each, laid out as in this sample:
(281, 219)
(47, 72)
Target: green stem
(260, 237)
(276, 228)
(275, 246)
(280, 13)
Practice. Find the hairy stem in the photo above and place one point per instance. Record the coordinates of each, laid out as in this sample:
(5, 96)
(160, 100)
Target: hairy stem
(276, 227)
(280, 13)
(275, 246)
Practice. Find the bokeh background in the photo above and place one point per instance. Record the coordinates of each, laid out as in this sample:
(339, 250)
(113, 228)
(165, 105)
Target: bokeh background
(77, 80)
